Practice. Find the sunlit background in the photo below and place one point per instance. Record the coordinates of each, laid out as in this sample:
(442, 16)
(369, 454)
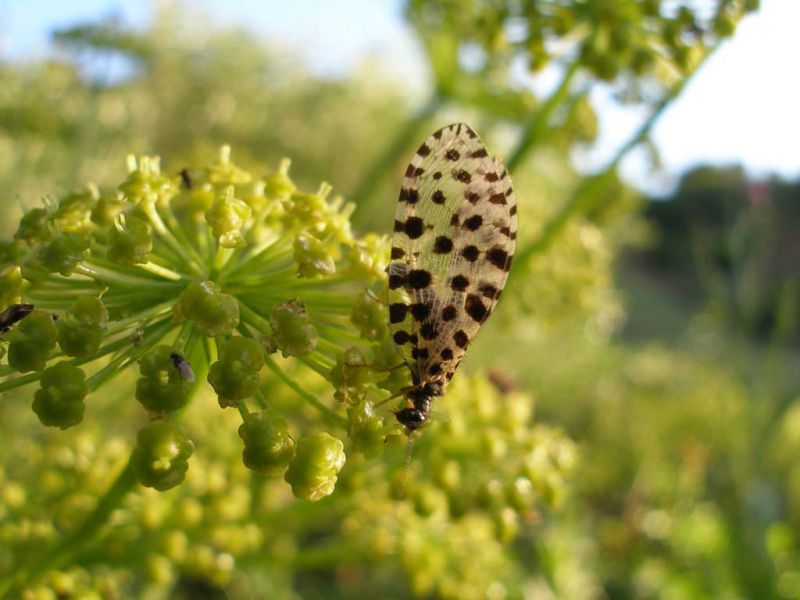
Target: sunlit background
(739, 110)
(633, 405)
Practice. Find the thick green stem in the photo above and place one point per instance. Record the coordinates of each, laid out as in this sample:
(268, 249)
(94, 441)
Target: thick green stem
(537, 127)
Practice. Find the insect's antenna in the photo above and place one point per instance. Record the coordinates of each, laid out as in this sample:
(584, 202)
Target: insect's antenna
(406, 466)
(401, 492)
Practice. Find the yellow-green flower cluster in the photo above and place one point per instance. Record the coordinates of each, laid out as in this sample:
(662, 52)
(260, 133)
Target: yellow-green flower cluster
(191, 278)
(469, 494)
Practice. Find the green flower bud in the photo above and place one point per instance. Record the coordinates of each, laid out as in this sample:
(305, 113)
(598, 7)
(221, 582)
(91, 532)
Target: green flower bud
(31, 342)
(59, 402)
(350, 376)
(10, 285)
(491, 494)
(521, 494)
(235, 375)
(305, 210)
(369, 315)
(254, 197)
(268, 447)
(368, 256)
(193, 203)
(162, 387)
(107, 208)
(312, 257)
(129, 240)
(214, 313)
(80, 330)
(146, 184)
(74, 211)
(64, 252)
(226, 217)
(161, 457)
(388, 359)
(312, 472)
(428, 499)
(33, 226)
(278, 185)
(366, 429)
(507, 525)
(11, 251)
(224, 172)
(292, 328)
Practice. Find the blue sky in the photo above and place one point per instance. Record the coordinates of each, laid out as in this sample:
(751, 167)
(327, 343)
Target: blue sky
(742, 107)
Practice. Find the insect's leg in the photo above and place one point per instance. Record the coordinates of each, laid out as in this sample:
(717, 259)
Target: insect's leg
(381, 369)
(374, 296)
(402, 392)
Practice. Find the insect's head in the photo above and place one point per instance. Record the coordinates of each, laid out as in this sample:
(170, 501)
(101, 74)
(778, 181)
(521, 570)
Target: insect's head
(411, 418)
(414, 417)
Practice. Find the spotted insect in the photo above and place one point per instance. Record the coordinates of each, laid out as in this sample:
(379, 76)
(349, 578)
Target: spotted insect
(454, 239)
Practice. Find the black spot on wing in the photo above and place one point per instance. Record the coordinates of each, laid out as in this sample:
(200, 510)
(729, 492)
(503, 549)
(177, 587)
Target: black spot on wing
(397, 312)
(419, 279)
(470, 253)
(473, 222)
(414, 227)
(461, 338)
(428, 331)
(461, 175)
(420, 310)
(442, 245)
(400, 337)
(497, 256)
(411, 196)
(475, 308)
(459, 283)
(489, 291)
(438, 197)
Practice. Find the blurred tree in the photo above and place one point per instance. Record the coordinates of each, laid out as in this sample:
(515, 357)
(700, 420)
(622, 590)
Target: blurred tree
(731, 242)
(182, 93)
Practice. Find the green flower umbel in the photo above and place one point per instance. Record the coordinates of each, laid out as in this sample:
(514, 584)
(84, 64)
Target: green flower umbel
(194, 280)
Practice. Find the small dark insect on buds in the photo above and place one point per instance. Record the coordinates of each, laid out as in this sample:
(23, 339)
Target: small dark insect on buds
(186, 178)
(12, 315)
(183, 366)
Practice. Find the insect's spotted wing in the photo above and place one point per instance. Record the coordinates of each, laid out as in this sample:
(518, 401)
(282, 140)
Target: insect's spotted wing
(454, 238)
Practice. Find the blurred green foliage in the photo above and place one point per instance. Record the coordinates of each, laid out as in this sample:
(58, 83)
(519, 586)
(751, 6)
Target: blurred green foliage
(650, 469)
